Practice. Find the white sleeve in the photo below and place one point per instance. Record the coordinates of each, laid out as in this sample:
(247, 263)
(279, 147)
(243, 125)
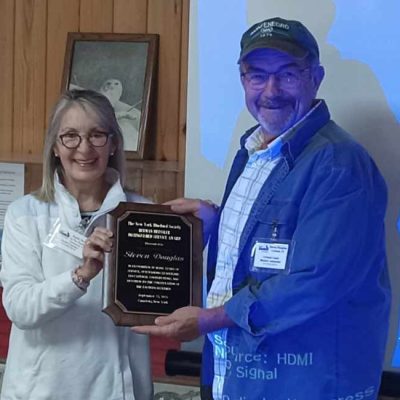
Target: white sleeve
(29, 298)
(140, 363)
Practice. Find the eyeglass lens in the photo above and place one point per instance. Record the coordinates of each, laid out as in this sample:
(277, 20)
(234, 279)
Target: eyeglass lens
(73, 140)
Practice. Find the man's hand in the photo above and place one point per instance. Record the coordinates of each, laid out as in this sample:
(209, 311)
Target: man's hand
(187, 323)
(203, 209)
(181, 325)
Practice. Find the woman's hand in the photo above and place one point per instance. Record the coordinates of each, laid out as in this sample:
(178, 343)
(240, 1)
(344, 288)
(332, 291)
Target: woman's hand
(100, 241)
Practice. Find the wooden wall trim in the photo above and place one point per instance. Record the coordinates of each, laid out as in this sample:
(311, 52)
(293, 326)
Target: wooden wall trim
(7, 18)
(62, 17)
(29, 75)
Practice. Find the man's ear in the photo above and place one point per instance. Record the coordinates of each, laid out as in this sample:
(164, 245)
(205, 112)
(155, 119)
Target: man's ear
(242, 67)
(318, 76)
(242, 78)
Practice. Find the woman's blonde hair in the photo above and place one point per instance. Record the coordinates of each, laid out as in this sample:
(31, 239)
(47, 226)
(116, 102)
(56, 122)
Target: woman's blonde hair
(104, 111)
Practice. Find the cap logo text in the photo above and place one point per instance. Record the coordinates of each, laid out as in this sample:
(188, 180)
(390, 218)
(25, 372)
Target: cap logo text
(267, 28)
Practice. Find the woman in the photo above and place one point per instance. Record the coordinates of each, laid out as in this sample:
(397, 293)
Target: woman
(61, 345)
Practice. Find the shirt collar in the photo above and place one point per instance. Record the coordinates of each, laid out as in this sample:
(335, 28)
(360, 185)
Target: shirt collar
(63, 195)
(255, 141)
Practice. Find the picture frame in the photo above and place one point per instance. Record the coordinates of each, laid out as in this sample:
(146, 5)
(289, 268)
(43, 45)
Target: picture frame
(123, 67)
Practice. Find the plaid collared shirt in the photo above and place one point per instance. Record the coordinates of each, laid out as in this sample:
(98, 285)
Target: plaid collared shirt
(233, 219)
(236, 212)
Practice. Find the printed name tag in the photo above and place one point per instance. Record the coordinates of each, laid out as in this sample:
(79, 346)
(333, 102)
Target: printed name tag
(271, 255)
(66, 239)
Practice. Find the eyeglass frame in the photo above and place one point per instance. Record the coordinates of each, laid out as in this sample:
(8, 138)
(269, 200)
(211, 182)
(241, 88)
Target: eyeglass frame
(87, 137)
(276, 74)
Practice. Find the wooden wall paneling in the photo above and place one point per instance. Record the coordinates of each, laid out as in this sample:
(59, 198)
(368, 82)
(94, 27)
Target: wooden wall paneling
(159, 186)
(96, 16)
(165, 18)
(153, 179)
(62, 17)
(180, 178)
(183, 80)
(180, 183)
(29, 76)
(7, 18)
(167, 187)
(130, 16)
(33, 177)
(134, 177)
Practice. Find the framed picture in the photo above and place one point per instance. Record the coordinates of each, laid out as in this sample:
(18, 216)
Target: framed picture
(123, 68)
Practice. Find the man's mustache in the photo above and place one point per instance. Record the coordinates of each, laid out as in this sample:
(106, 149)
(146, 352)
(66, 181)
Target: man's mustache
(278, 102)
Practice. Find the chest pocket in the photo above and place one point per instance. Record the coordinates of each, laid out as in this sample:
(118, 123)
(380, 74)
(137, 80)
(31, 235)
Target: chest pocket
(278, 220)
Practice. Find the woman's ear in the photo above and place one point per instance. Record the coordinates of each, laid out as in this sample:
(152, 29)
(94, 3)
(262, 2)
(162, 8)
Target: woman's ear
(113, 147)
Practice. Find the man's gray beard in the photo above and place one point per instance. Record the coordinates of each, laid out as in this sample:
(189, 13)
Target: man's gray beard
(273, 129)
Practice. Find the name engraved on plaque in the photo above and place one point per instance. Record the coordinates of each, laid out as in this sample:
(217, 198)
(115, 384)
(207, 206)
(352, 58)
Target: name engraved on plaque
(152, 263)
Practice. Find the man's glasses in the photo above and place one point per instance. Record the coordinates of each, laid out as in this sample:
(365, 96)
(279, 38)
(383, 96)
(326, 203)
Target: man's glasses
(286, 78)
(72, 140)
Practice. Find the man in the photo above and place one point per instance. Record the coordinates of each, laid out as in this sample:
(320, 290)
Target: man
(298, 292)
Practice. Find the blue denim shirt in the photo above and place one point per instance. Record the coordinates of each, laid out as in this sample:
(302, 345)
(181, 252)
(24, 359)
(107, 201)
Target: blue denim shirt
(319, 331)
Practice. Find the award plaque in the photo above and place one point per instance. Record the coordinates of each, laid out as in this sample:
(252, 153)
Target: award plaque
(155, 266)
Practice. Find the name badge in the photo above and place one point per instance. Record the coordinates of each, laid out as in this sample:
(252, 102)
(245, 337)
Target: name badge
(66, 239)
(271, 255)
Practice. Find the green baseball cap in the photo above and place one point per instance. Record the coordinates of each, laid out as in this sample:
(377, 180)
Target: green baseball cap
(289, 36)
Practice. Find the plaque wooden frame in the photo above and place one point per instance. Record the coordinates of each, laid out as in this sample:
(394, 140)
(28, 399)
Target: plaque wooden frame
(134, 223)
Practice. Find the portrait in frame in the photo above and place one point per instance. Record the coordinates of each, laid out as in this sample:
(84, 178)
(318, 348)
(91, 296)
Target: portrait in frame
(123, 68)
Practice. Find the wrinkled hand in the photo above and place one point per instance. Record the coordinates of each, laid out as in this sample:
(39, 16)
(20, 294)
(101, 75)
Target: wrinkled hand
(181, 325)
(188, 323)
(203, 209)
(96, 244)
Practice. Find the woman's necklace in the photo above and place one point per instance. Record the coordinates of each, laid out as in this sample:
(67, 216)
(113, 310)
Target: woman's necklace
(86, 217)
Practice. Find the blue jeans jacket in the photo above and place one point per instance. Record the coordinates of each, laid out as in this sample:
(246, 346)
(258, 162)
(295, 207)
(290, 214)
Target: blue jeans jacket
(319, 331)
